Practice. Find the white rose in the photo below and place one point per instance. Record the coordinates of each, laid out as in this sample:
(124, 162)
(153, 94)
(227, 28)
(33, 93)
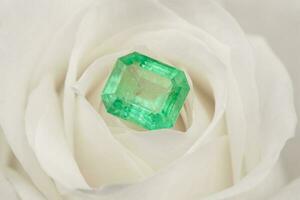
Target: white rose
(59, 143)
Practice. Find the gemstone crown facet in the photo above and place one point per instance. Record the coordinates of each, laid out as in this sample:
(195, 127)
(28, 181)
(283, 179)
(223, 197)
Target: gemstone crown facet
(145, 91)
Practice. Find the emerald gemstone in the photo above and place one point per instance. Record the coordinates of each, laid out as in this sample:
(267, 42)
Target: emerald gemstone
(145, 91)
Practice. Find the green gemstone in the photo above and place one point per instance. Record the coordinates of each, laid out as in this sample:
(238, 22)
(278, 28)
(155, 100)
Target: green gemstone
(145, 91)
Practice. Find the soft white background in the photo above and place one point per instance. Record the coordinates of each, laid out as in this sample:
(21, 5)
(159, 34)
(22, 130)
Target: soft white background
(279, 22)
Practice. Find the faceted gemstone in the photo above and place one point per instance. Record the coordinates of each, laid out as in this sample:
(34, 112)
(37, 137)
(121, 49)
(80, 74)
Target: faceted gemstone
(145, 91)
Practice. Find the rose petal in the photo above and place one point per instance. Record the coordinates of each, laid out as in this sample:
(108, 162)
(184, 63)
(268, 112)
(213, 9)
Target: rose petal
(5, 151)
(6, 189)
(24, 189)
(278, 116)
(211, 162)
(49, 143)
(274, 181)
(101, 158)
(24, 35)
(289, 192)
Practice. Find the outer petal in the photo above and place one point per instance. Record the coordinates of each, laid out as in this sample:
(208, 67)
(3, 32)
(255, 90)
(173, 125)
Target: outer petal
(47, 136)
(274, 181)
(290, 192)
(13, 184)
(24, 188)
(278, 116)
(7, 190)
(26, 28)
(177, 182)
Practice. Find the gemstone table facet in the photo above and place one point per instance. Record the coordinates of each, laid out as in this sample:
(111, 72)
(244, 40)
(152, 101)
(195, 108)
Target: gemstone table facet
(145, 91)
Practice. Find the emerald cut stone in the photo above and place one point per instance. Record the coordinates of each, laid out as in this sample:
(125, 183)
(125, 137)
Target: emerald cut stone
(145, 91)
